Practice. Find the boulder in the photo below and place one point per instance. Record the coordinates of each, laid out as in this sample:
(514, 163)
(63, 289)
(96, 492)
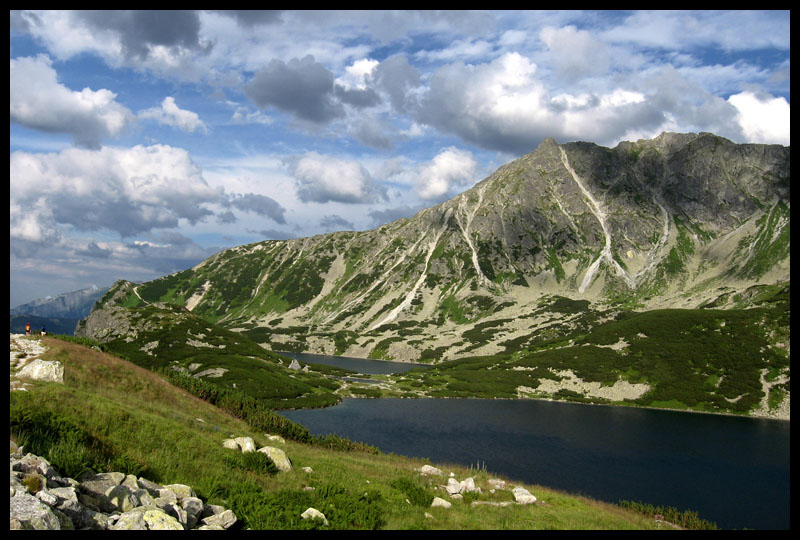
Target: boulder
(313, 513)
(523, 496)
(453, 486)
(429, 469)
(224, 519)
(246, 444)
(42, 370)
(278, 457)
(28, 512)
(439, 502)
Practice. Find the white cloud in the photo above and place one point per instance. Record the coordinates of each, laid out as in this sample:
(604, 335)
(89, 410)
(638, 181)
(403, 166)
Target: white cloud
(170, 114)
(763, 120)
(128, 191)
(451, 168)
(503, 105)
(40, 102)
(321, 178)
(577, 53)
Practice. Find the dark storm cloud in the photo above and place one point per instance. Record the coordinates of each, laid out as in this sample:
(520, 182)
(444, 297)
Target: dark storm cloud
(302, 87)
(334, 222)
(141, 29)
(249, 18)
(396, 77)
(367, 97)
(261, 205)
(94, 251)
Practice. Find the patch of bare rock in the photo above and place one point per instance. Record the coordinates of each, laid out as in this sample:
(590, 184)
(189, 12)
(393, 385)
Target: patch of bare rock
(42, 499)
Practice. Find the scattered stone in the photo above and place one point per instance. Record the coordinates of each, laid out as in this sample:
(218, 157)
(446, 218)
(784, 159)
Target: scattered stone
(308, 469)
(294, 365)
(496, 483)
(276, 438)
(453, 486)
(278, 457)
(429, 469)
(439, 502)
(523, 496)
(313, 513)
(246, 444)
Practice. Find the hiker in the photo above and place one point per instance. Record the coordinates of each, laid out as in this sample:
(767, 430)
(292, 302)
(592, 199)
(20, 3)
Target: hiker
(44, 332)
(27, 329)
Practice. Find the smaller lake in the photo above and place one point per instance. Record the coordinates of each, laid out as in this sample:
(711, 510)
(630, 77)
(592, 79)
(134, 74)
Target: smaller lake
(359, 365)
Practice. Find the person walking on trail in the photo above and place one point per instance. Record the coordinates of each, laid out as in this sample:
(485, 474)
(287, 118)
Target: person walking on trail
(27, 329)
(44, 332)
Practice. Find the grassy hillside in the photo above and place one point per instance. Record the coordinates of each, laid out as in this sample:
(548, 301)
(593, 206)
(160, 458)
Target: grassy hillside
(111, 414)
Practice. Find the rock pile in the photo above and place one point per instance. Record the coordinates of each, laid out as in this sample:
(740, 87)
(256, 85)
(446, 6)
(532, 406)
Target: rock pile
(455, 489)
(42, 499)
(246, 444)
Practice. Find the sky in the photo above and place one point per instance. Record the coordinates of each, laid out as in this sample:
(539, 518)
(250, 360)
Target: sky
(143, 142)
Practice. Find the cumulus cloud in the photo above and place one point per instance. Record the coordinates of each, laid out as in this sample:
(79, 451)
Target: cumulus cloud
(321, 178)
(141, 32)
(762, 119)
(303, 87)
(397, 78)
(170, 114)
(451, 168)
(40, 102)
(503, 105)
(128, 191)
(577, 53)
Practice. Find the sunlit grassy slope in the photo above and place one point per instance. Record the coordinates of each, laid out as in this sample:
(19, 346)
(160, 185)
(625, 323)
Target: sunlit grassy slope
(113, 415)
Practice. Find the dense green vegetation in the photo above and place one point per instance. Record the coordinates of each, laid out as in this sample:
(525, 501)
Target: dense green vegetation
(702, 359)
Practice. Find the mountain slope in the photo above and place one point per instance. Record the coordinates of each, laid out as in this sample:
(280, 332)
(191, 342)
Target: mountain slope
(678, 221)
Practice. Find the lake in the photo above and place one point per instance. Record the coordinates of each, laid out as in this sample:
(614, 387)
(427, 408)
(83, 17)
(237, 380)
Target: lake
(360, 365)
(733, 471)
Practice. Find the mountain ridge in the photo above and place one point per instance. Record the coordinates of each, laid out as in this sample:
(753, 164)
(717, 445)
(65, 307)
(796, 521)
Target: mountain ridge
(660, 266)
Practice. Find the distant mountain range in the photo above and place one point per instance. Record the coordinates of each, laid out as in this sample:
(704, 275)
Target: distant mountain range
(59, 313)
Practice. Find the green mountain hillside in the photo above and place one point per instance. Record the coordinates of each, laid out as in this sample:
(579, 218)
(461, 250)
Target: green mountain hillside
(680, 222)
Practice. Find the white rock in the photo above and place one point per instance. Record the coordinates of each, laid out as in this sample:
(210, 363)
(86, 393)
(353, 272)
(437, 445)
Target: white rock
(428, 469)
(246, 444)
(453, 486)
(42, 370)
(468, 485)
(313, 513)
(278, 457)
(437, 501)
(523, 496)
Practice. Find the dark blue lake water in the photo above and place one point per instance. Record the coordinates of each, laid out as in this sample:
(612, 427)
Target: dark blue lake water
(375, 367)
(732, 471)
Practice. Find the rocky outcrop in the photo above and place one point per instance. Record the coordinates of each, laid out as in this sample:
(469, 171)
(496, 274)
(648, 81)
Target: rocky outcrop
(42, 499)
(26, 364)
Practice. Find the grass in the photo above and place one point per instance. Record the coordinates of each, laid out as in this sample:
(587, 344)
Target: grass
(110, 414)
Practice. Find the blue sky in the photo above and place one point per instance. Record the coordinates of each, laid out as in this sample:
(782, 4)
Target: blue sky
(144, 142)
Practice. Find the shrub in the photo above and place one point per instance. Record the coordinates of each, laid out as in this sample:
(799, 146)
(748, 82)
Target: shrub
(417, 494)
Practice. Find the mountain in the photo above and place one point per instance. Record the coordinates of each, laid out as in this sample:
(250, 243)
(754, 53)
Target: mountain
(558, 250)
(678, 221)
(58, 314)
(71, 305)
